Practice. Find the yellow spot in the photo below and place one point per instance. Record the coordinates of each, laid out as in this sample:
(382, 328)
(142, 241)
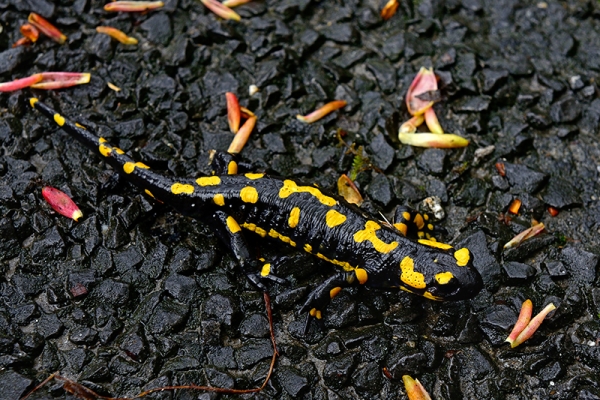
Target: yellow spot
(179, 188)
(462, 257)
(345, 265)
(102, 140)
(256, 229)
(104, 150)
(249, 194)
(410, 276)
(361, 275)
(149, 193)
(232, 168)
(266, 270)
(32, 101)
(433, 243)
(219, 199)
(77, 124)
(334, 218)
(308, 248)
(294, 217)
(430, 227)
(59, 119)
(290, 187)
(284, 239)
(401, 227)
(421, 235)
(426, 217)
(128, 167)
(406, 215)
(315, 313)
(443, 277)
(369, 234)
(334, 292)
(119, 151)
(254, 176)
(208, 181)
(419, 221)
(429, 296)
(232, 225)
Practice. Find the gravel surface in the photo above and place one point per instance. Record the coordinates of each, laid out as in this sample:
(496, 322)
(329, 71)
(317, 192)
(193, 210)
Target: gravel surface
(135, 296)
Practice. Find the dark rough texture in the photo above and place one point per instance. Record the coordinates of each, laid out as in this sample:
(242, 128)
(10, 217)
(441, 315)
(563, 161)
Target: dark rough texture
(135, 296)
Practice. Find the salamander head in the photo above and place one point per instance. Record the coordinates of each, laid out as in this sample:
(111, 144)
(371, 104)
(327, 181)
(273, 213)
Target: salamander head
(439, 272)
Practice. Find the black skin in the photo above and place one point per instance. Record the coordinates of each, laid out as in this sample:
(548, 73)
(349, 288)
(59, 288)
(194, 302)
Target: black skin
(307, 218)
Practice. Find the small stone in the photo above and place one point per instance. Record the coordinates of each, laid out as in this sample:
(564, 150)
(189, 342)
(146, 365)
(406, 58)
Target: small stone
(381, 152)
(13, 385)
(432, 160)
(252, 351)
(575, 82)
(380, 190)
(340, 33)
(567, 110)
(561, 193)
(167, 316)
(292, 381)
(523, 178)
(158, 28)
(581, 264)
(556, 269)
(517, 271)
(491, 79)
(473, 104)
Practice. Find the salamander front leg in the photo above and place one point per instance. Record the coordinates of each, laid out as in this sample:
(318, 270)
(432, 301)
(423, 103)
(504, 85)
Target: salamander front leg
(320, 297)
(230, 233)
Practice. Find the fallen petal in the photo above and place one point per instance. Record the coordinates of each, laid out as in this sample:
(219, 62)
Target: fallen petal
(252, 89)
(445, 141)
(432, 122)
(526, 234)
(113, 87)
(246, 113)
(412, 124)
(522, 321)
(533, 325)
(321, 112)
(515, 206)
(414, 389)
(501, 168)
(240, 138)
(389, 9)
(59, 80)
(117, 35)
(348, 190)
(20, 83)
(234, 3)
(221, 10)
(30, 32)
(133, 6)
(61, 203)
(424, 82)
(553, 211)
(46, 28)
(233, 112)
(22, 42)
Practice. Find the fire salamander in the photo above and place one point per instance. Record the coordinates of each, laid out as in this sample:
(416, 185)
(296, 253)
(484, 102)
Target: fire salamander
(367, 251)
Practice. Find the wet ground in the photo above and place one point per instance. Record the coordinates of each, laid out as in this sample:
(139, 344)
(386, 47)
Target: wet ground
(135, 296)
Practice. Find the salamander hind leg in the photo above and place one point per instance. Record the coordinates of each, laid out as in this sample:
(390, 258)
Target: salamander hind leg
(416, 225)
